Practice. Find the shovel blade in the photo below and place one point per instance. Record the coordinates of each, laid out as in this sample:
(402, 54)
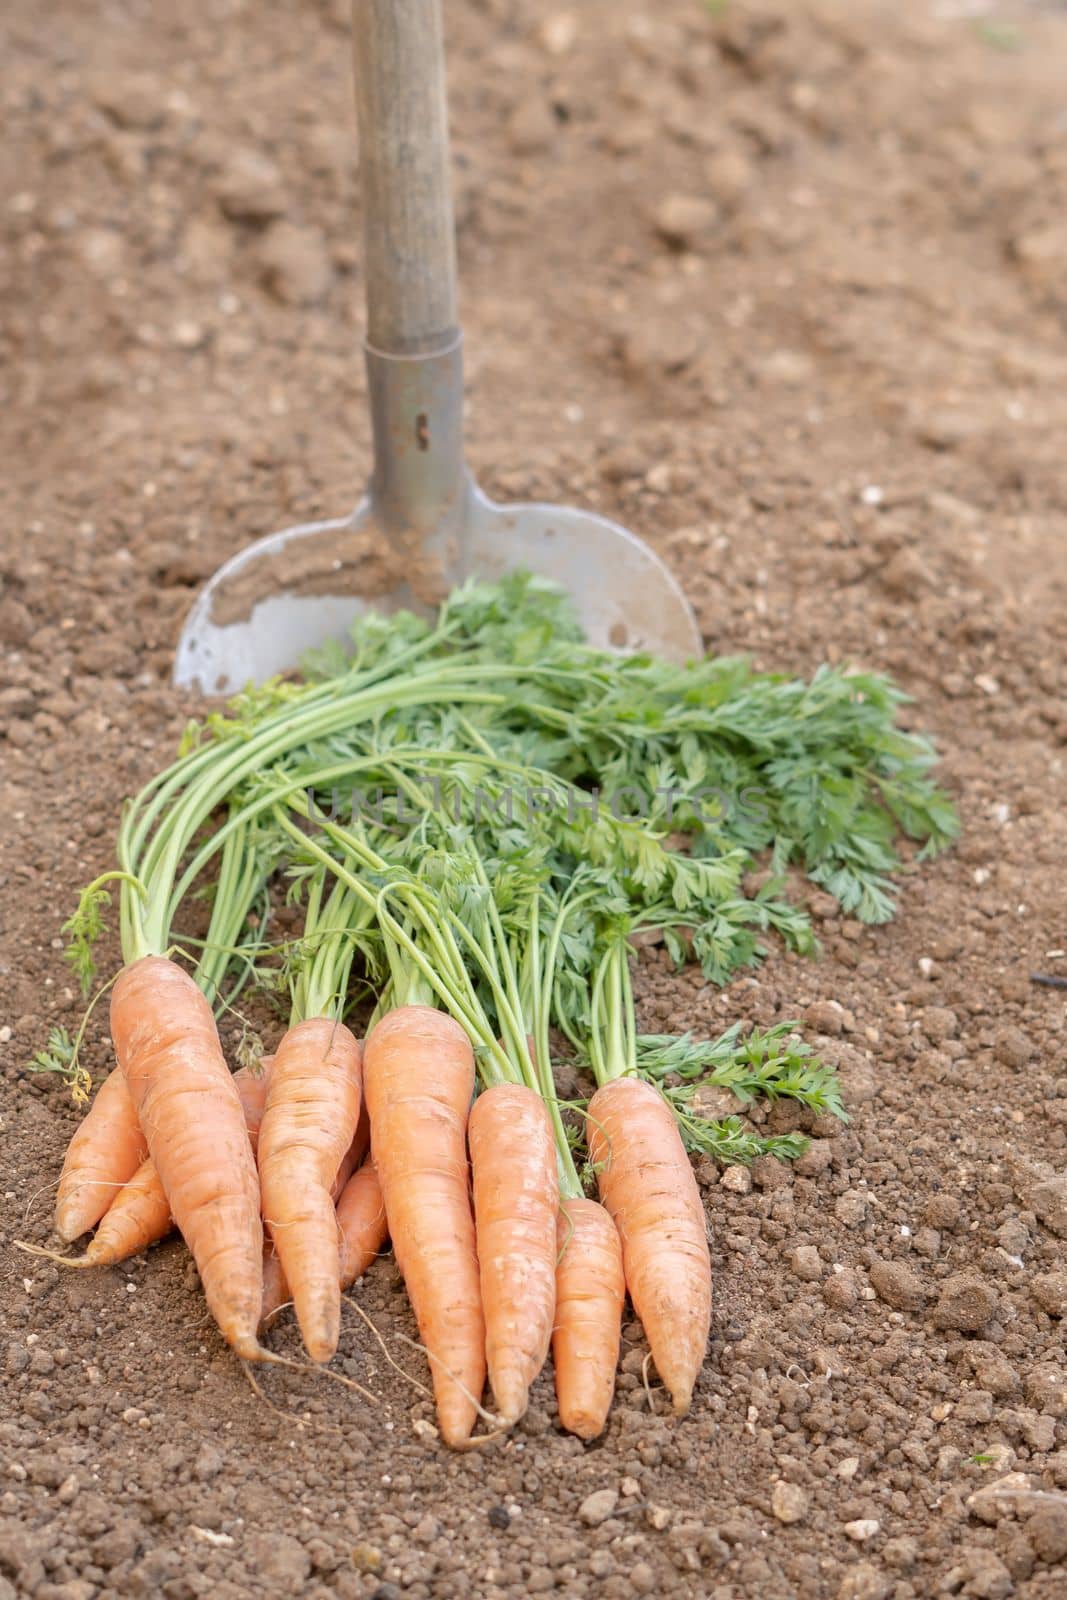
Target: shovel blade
(295, 590)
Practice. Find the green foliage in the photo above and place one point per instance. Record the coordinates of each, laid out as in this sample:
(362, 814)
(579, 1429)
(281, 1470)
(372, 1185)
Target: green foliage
(659, 789)
(83, 928)
(60, 1055)
(773, 1063)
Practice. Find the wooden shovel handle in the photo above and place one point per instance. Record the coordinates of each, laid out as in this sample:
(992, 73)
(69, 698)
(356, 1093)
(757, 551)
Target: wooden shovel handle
(410, 251)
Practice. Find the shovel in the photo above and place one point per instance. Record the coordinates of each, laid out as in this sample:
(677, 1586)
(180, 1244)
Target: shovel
(423, 524)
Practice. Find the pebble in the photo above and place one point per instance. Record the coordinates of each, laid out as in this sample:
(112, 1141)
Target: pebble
(249, 188)
(598, 1507)
(642, 1578)
(738, 1180)
(789, 1502)
(825, 1016)
(965, 1304)
(294, 264)
(850, 1208)
(683, 220)
(806, 1263)
(862, 1529)
(558, 32)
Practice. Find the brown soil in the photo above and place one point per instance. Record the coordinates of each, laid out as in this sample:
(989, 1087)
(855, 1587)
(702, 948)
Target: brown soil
(833, 392)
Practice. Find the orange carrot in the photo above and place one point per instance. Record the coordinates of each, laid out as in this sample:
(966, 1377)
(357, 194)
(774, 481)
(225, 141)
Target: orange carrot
(105, 1152)
(362, 1232)
(139, 1215)
(419, 1075)
(275, 1289)
(516, 1199)
(185, 1099)
(647, 1184)
(353, 1157)
(590, 1291)
(252, 1089)
(313, 1105)
(361, 1223)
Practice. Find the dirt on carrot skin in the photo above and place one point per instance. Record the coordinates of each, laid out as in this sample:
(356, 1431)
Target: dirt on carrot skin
(832, 392)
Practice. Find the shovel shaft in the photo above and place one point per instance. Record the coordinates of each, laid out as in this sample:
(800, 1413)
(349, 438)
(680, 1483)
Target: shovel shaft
(409, 239)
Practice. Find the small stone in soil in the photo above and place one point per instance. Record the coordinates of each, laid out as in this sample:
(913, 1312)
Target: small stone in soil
(499, 1517)
(851, 1208)
(862, 1529)
(684, 219)
(789, 1503)
(806, 1263)
(737, 1180)
(598, 1507)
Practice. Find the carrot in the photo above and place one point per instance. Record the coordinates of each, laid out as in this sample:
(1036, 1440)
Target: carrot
(362, 1232)
(361, 1223)
(105, 1152)
(275, 1289)
(139, 1215)
(353, 1157)
(313, 1106)
(185, 1099)
(647, 1184)
(516, 1200)
(590, 1291)
(419, 1075)
(252, 1092)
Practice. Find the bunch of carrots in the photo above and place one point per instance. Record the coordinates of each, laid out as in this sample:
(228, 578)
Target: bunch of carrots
(491, 942)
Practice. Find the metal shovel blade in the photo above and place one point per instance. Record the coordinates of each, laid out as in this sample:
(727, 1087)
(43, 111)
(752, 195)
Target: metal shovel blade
(422, 527)
(294, 590)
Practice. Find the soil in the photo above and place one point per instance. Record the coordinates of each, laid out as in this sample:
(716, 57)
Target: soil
(784, 289)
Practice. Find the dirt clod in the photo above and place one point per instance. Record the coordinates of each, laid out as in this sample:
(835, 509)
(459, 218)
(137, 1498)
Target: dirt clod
(965, 1304)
